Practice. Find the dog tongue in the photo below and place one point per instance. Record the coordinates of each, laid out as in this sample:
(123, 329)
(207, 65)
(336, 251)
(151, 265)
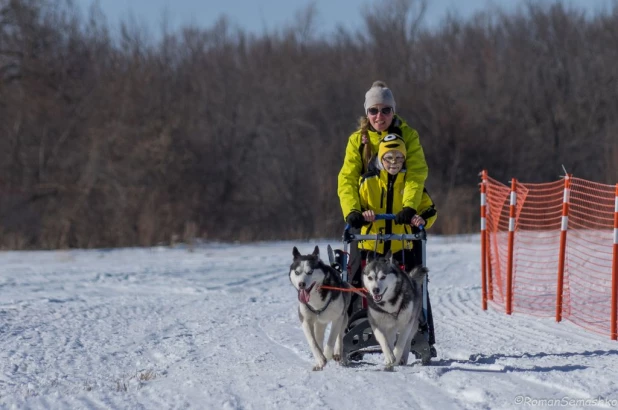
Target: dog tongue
(305, 294)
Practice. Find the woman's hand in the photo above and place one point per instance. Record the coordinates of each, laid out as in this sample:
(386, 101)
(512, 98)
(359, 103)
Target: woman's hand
(417, 221)
(369, 216)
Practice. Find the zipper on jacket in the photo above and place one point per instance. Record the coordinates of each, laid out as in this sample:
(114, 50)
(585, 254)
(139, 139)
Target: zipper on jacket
(389, 210)
(382, 199)
(389, 197)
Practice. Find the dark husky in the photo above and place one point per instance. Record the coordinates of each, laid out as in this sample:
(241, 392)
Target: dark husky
(394, 304)
(318, 307)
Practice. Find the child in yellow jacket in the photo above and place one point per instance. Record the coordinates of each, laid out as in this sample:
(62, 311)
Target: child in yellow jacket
(381, 192)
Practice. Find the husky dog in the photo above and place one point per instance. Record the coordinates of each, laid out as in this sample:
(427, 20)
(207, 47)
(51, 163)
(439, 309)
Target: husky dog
(394, 304)
(318, 307)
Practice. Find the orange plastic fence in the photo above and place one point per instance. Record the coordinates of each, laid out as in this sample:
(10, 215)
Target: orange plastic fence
(551, 249)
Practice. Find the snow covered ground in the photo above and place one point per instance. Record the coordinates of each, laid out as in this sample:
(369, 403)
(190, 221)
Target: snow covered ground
(217, 328)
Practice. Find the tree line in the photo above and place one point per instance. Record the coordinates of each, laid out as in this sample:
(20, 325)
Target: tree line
(110, 138)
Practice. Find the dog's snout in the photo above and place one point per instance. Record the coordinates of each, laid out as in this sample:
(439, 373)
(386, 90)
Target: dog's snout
(301, 285)
(375, 291)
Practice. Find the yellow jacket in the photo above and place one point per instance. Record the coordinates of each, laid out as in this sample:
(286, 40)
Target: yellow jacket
(382, 193)
(352, 169)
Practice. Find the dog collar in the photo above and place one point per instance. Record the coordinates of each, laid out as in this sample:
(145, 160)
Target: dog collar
(317, 312)
(395, 315)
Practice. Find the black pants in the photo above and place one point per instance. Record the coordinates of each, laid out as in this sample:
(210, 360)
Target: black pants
(410, 258)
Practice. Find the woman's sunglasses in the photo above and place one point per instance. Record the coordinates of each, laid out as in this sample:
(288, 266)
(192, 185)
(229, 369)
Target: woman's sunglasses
(384, 111)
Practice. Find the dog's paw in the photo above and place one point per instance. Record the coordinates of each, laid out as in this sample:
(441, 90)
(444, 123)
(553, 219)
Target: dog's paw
(319, 364)
(389, 366)
(341, 359)
(390, 360)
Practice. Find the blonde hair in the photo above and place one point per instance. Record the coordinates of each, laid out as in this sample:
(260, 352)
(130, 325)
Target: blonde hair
(364, 132)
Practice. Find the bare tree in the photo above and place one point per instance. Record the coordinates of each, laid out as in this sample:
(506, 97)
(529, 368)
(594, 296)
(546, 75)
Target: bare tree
(114, 139)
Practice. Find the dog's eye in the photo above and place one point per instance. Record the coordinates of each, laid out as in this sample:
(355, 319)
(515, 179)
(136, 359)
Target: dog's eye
(310, 272)
(298, 273)
(369, 278)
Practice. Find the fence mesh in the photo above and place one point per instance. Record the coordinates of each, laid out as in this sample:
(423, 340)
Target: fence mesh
(587, 283)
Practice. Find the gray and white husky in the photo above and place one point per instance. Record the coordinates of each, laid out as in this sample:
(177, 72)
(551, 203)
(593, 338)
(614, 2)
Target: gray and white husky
(394, 302)
(318, 307)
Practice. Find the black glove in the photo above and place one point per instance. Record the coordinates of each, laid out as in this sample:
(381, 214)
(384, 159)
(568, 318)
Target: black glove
(404, 217)
(428, 213)
(355, 219)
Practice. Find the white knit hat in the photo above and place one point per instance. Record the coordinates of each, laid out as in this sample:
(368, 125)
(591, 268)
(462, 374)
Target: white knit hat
(379, 93)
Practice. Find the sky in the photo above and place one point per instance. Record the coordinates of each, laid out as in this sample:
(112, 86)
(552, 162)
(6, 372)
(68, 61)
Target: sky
(256, 16)
(217, 328)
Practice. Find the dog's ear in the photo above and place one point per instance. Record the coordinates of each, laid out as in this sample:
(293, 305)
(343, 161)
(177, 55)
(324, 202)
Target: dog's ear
(389, 256)
(295, 253)
(316, 252)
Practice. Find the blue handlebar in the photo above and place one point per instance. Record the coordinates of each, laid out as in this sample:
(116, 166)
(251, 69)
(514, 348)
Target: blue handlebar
(386, 217)
(391, 217)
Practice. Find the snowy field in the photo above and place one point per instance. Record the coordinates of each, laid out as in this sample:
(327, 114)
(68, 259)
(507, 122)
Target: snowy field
(217, 328)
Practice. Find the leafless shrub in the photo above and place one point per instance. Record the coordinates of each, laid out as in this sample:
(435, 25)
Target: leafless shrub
(189, 235)
(118, 140)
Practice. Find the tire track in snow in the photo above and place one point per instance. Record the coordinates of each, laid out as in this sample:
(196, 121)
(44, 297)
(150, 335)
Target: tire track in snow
(517, 345)
(489, 327)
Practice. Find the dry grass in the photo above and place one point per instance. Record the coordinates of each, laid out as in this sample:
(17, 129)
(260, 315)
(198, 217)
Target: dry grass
(138, 379)
(147, 375)
(121, 386)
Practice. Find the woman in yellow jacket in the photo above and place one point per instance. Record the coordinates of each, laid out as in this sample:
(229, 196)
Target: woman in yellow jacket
(379, 120)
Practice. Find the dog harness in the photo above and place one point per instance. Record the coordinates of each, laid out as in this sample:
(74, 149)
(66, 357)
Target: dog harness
(317, 312)
(394, 315)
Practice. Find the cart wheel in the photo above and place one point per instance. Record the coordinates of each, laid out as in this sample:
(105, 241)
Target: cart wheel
(356, 357)
(424, 360)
